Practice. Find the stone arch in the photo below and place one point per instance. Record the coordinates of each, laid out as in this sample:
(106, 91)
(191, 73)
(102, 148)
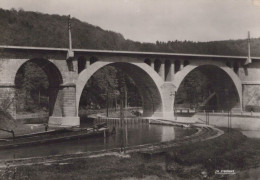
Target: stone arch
(54, 76)
(181, 75)
(147, 81)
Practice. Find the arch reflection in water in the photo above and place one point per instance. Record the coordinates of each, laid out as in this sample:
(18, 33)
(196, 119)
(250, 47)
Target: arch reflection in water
(168, 134)
(137, 134)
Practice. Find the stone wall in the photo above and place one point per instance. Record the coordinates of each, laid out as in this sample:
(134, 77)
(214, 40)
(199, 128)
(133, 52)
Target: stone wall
(251, 123)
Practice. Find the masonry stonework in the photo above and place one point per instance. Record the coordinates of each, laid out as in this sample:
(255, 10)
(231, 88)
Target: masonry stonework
(66, 83)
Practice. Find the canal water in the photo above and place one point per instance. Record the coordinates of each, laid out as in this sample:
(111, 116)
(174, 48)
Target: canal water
(126, 135)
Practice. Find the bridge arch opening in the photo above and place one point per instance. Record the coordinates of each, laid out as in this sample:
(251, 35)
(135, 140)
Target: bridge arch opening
(148, 61)
(186, 63)
(82, 62)
(236, 67)
(157, 65)
(37, 83)
(177, 66)
(167, 72)
(144, 87)
(228, 64)
(208, 87)
(93, 59)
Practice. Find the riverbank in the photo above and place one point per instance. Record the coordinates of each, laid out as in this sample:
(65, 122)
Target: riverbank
(231, 151)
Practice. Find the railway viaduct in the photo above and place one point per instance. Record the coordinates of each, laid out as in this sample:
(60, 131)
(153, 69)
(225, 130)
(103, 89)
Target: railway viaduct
(156, 75)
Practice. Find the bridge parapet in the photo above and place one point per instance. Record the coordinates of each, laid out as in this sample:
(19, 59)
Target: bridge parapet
(23, 52)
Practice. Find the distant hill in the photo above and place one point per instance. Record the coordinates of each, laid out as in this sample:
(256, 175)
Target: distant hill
(23, 28)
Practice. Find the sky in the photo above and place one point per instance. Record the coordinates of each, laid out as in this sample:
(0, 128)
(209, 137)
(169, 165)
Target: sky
(162, 20)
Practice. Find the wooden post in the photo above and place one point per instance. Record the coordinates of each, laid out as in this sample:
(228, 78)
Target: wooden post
(105, 134)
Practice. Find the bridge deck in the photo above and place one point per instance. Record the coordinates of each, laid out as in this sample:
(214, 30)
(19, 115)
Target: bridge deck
(127, 52)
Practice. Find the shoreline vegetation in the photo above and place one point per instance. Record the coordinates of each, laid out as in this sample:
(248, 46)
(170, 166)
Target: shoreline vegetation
(230, 151)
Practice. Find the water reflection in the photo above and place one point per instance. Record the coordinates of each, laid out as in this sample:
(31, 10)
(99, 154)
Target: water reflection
(168, 134)
(252, 134)
(130, 135)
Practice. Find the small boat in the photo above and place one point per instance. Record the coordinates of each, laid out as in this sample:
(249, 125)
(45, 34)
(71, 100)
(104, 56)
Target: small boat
(54, 136)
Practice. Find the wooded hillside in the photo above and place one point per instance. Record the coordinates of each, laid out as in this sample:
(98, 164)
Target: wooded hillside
(36, 29)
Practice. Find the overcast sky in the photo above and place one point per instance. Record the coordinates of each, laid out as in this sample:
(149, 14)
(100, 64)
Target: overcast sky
(163, 20)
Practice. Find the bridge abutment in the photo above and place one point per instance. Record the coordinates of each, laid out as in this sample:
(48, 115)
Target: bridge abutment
(65, 112)
(168, 94)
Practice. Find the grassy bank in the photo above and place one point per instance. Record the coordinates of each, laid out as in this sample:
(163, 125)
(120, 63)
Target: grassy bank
(229, 151)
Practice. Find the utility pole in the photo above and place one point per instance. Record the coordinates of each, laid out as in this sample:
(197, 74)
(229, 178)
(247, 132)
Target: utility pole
(70, 54)
(69, 27)
(249, 60)
(249, 48)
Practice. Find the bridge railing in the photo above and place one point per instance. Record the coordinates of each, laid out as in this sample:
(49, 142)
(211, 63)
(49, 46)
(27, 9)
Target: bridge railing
(214, 111)
(233, 112)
